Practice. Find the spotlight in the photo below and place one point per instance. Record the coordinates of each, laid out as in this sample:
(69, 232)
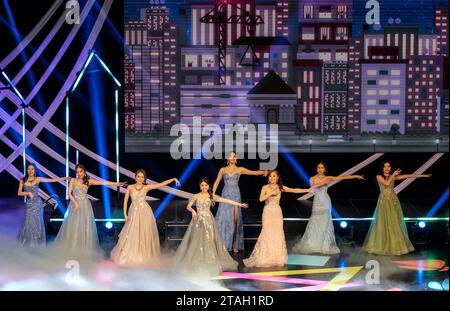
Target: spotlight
(435, 285)
(346, 233)
(109, 225)
(420, 235)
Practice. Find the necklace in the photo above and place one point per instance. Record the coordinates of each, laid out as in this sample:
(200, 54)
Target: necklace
(31, 181)
(138, 189)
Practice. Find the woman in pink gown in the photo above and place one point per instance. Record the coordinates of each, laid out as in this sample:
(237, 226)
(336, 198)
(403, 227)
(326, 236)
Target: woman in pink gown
(270, 249)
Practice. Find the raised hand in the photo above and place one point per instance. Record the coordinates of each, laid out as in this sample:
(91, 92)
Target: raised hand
(265, 173)
(397, 172)
(275, 192)
(177, 182)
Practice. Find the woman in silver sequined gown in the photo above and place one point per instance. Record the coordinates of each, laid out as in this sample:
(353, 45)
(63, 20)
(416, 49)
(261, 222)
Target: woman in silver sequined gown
(32, 231)
(202, 250)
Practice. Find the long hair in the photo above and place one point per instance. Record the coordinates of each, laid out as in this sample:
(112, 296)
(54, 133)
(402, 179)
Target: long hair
(206, 180)
(26, 176)
(141, 170)
(324, 166)
(86, 177)
(227, 162)
(381, 173)
(279, 182)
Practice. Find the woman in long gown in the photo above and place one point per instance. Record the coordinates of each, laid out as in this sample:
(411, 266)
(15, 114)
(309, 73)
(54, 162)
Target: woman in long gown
(388, 234)
(202, 250)
(32, 231)
(319, 234)
(270, 249)
(77, 236)
(139, 239)
(229, 218)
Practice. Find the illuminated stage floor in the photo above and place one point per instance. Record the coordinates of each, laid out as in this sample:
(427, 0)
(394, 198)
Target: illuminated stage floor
(353, 270)
(425, 269)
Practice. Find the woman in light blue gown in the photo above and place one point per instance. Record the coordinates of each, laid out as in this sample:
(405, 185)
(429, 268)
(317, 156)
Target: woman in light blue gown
(202, 250)
(319, 234)
(78, 233)
(228, 218)
(32, 231)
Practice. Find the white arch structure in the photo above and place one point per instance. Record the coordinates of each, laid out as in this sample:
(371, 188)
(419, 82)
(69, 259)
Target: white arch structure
(43, 121)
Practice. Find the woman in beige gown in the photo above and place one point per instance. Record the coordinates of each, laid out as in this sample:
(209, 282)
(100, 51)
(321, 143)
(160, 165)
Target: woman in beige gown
(270, 249)
(139, 239)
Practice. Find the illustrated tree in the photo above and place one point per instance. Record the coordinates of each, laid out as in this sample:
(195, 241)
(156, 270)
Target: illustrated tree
(395, 130)
(157, 130)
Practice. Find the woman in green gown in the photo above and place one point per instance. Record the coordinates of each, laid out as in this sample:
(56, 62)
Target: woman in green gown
(388, 234)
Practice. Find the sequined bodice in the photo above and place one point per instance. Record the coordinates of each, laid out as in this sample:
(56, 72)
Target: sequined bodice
(322, 190)
(137, 195)
(231, 180)
(138, 199)
(33, 189)
(273, 200)
(203, 207)
(80, 191)
(386, 188)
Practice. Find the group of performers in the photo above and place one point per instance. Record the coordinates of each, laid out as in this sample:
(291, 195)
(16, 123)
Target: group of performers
(209, 240)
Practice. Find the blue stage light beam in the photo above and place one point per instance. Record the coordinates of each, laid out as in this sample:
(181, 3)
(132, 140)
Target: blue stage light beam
(438, 204)
(297, 167)
(186, 173)
(96, 94)
(67, 146)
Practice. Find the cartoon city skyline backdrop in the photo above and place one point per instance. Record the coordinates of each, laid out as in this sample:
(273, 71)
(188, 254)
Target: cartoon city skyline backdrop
(309, 66)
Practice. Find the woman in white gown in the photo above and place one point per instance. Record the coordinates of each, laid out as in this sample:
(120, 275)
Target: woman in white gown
(319, 235)
(139, 239)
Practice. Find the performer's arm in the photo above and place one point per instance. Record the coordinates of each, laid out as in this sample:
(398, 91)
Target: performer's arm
(217, 181)
(161, 184)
